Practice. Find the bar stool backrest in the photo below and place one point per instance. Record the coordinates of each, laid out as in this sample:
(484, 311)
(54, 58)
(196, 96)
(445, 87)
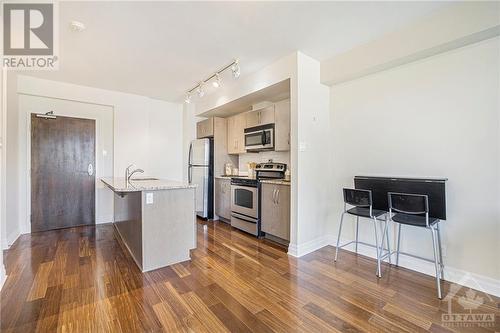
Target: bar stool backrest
(411, 204)
(358, 198)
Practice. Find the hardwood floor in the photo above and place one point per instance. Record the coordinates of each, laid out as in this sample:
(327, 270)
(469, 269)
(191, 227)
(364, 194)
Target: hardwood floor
(82, 280)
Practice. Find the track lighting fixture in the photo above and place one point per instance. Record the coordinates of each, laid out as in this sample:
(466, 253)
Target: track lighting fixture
(216, 80)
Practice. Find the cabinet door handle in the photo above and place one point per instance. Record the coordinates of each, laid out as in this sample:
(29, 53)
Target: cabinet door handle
(278, 197)
(274, 196)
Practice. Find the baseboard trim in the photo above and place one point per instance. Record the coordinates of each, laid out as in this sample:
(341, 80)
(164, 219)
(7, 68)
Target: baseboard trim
(451, 274)
(10, 239)
(105, 219)
(299, 250)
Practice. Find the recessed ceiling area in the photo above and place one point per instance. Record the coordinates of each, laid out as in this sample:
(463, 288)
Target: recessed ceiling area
(276, 92)
(161, 49)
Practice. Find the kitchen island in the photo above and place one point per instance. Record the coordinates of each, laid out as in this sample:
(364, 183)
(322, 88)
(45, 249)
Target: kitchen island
(155, 218)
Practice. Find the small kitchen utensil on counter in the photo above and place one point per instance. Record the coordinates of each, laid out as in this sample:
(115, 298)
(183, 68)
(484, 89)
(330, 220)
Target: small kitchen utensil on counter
(228, 169)
(251, 169)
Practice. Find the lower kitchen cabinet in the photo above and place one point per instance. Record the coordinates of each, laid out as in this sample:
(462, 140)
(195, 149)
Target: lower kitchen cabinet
(223, 198)
(275, 217)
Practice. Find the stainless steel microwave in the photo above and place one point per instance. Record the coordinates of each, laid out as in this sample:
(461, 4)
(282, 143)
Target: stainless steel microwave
(259, 138)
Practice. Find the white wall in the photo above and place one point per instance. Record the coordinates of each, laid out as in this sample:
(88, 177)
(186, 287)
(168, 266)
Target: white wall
(310, 165)
(3, 121)
(189, 121)
(436, 117)
(166, 140)
(12, 228)
(146, 132)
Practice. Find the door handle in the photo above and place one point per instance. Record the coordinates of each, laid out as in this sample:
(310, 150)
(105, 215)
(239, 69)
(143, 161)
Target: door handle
(274, 195)
(277, 196)
(90, 169)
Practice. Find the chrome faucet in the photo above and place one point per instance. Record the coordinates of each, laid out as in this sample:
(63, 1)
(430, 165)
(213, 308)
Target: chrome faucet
(129, 174)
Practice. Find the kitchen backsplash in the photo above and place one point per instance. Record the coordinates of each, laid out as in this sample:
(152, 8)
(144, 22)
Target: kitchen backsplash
(263, 156)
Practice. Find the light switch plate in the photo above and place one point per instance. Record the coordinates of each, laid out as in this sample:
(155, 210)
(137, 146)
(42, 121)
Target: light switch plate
(149, 198)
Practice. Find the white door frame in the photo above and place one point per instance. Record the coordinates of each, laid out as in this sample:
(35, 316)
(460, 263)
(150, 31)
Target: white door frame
(27, 224)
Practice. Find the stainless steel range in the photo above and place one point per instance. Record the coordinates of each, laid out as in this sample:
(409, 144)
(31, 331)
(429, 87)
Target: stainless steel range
(245, 198)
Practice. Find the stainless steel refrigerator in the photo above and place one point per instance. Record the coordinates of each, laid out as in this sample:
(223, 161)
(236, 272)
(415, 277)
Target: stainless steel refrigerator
(201, 173)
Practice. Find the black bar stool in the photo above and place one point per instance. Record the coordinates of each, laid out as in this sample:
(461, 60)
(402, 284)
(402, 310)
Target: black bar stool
(413, 210)
(363, 207)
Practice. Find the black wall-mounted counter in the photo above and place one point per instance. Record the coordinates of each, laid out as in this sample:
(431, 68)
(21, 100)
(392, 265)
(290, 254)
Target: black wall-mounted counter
(434, 188)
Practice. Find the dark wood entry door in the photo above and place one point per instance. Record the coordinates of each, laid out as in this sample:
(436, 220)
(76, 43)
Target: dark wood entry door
(62, 172)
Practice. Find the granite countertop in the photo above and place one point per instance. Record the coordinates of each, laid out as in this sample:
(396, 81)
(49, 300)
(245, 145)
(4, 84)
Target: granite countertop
(138, 185)
(276, 181)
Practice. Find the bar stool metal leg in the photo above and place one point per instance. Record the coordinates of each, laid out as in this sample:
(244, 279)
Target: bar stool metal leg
(440, 250)
(338, 237)
(377, 248)
(357, 232)
(399, 243)
(386, 234)
(436, 264)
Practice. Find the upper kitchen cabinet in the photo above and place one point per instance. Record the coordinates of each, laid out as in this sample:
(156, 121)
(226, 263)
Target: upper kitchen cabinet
(282, 125)
(236, 134)
(260, 117)
(205, 128)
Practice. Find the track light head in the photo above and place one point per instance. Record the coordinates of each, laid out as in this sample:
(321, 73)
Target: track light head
(235, 68)
(217, 82)
(188, 98)
(200, 90)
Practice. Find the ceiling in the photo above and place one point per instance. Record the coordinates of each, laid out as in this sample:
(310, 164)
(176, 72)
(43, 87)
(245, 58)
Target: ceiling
(161, 49)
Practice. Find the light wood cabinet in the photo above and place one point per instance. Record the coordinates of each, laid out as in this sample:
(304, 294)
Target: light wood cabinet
(275, 217)
(282, 126)
(223, 198)
(236, 134)
(260, 117)
(221, 154)
(205, 128)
